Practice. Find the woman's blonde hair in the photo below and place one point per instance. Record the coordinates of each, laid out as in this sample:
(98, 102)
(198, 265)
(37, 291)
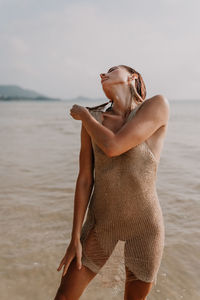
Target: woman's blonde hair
(139, 93)
(139, 84)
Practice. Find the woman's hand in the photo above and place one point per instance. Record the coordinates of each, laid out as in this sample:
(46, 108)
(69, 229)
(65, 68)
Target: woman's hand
(77, 111)
(74, 249)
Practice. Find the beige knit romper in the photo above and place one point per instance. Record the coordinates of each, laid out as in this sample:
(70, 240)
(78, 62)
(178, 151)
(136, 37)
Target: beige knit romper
(124, 206)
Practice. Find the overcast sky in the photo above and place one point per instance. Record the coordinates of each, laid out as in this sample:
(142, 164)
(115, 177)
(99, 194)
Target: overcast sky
(59, 48)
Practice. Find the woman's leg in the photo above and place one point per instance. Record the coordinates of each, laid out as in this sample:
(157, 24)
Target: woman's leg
(75, 281)
(135, 289)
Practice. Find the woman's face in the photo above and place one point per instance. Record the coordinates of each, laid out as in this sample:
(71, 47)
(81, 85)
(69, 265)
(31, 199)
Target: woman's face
(115, 75)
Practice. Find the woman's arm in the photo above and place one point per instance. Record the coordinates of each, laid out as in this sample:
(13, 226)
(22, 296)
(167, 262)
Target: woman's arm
(84, 183)
(150, 117)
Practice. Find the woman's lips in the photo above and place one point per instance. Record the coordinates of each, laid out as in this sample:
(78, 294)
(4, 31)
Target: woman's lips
(103, 79)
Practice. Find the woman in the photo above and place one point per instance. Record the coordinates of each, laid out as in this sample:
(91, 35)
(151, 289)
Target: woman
(122, 145)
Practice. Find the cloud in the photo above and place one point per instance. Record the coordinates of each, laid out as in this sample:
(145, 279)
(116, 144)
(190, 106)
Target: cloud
(60, 49)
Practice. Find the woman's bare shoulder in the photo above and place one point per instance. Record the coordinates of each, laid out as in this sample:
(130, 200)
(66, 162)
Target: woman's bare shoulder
(156, 105)
(158, 100)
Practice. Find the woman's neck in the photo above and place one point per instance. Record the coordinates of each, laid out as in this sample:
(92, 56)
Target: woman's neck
(118, 108)
(122, 101)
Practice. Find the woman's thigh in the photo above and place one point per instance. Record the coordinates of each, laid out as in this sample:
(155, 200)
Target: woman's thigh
(74, 282)
(135, 289)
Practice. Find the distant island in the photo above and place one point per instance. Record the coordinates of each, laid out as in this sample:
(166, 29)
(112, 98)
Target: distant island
(14, 92)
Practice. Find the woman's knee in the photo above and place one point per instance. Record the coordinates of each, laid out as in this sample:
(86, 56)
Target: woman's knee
(137, 290)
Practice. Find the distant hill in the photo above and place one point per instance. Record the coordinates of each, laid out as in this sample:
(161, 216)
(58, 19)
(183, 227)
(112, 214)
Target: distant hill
(14, 92)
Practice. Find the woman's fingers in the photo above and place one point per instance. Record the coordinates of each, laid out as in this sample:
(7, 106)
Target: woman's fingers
(61, 263)
(79, 263)
(78, 258)
(72, 251)
(66, 266)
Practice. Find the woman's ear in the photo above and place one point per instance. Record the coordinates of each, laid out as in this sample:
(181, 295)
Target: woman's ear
(132, 77)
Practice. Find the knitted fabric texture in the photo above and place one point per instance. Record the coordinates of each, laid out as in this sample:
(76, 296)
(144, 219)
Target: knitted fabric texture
(124, 206)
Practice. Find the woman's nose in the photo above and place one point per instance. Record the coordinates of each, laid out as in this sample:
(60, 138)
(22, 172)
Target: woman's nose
(102, 75)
